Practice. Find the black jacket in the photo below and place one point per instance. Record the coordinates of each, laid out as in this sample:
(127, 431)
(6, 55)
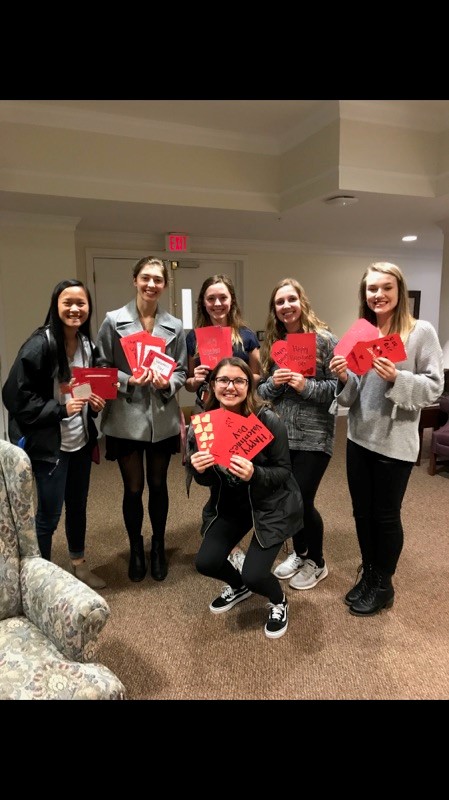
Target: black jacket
(29, 398)
(271, 500)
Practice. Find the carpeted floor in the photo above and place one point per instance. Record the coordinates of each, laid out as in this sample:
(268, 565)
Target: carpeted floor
(163, 642)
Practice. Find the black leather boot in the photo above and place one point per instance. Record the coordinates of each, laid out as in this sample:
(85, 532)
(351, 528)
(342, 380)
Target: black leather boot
(158, 563)
(359, 587)
(137, 568)
(378, 595)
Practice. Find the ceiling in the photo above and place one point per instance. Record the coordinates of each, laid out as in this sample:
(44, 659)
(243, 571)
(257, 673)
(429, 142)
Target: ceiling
(377, 222)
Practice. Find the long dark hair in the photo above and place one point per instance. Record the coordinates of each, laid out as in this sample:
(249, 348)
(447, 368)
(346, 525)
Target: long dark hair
(55, 326)
(252, 402)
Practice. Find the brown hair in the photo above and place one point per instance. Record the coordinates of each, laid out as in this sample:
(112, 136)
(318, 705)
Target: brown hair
(236, 321)
(152, 261)
(252, 402)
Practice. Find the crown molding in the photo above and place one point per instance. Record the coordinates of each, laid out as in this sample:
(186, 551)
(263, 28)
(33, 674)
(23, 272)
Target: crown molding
(36, 112)
(395, 113)
(18, 219)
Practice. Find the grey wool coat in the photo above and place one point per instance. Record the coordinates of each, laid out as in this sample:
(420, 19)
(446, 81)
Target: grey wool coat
(141, 412)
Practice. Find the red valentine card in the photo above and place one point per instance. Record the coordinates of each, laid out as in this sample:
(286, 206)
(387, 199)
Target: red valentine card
(160, 361)
(279, 353)
(214, 343)
(297, 352)
(224, 434)
(203, 428)
(302, 352)
(102, 381)
(391, 347)
(360, 331)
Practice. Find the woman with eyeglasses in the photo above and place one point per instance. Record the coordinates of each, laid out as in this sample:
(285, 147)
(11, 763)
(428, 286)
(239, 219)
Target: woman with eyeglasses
(217, 305)
(303, 403)
(260, 495)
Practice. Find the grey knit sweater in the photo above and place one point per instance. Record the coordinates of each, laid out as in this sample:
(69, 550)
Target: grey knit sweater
(309, 424)
(384, 416)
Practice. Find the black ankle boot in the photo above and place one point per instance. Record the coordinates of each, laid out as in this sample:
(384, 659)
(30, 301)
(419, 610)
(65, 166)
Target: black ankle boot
(378, 595)
(137, 568)
(359, 588)
(158, 563)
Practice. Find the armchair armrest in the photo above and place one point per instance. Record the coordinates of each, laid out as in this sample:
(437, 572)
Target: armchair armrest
(68, 612)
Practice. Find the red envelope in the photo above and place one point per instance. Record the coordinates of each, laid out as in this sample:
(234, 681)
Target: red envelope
(360, 331)
(214, 343)
(102, 380)
(390, 346)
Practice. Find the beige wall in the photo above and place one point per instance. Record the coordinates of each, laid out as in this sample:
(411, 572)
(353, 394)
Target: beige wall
(34, 259)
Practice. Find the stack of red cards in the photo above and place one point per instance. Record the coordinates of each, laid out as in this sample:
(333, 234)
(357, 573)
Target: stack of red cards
(297, 353)
(361, 344)
(138, 347)
(225, 434)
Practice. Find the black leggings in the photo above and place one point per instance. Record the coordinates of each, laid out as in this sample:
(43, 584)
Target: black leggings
(132, 471)
(212, 559)
(308, 468)
(377, 486)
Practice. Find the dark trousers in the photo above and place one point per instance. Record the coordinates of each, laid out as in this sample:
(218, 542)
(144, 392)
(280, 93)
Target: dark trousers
(67, 482)
(308, 468)
(377, 485)
(212, 559)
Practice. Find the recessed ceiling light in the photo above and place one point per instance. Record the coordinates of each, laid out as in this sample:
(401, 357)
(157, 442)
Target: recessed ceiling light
(409, 238)
(341, 200)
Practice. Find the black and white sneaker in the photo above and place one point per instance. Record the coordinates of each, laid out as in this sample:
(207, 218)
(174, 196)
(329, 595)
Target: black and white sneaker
(278, 620)
(229, 597)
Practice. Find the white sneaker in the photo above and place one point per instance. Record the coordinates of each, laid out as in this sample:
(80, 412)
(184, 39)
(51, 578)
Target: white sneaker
(289, 567)
(237, 559)
(309, 575)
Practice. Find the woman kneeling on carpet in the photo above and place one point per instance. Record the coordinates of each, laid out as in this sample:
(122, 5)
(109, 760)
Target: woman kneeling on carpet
(261, 494)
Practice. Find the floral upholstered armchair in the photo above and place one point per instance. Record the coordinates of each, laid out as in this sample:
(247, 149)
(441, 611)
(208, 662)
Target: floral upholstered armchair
(49, 620)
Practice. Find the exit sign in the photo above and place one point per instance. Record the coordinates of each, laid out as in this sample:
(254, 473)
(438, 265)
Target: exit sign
(177, 242)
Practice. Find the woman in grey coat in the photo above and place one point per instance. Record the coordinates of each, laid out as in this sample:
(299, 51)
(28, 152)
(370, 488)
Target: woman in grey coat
(143, 423)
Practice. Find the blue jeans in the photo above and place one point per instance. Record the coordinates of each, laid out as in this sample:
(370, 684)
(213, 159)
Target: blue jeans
(66, 481)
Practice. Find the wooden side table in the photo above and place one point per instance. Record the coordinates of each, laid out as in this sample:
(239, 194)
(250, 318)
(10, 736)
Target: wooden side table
(431, 417)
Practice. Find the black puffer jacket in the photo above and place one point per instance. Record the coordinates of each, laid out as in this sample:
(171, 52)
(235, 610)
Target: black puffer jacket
(29, 398)
(272, 498)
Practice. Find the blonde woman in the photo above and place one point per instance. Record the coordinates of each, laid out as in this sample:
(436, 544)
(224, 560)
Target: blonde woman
(383, 416)
(303, 403)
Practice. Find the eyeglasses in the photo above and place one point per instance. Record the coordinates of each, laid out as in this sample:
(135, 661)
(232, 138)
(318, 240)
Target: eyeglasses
(239, 383)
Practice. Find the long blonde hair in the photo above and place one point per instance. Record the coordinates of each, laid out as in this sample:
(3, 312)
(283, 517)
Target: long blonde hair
(275, 329)
(402, 321)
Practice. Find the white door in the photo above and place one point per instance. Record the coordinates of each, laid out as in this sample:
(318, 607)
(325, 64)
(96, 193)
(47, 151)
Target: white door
(111, 285)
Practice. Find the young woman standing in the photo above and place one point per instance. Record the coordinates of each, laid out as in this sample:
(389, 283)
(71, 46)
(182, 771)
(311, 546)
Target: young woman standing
(142, 425)
(303, 403)
(55, 429)
(384, 408)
